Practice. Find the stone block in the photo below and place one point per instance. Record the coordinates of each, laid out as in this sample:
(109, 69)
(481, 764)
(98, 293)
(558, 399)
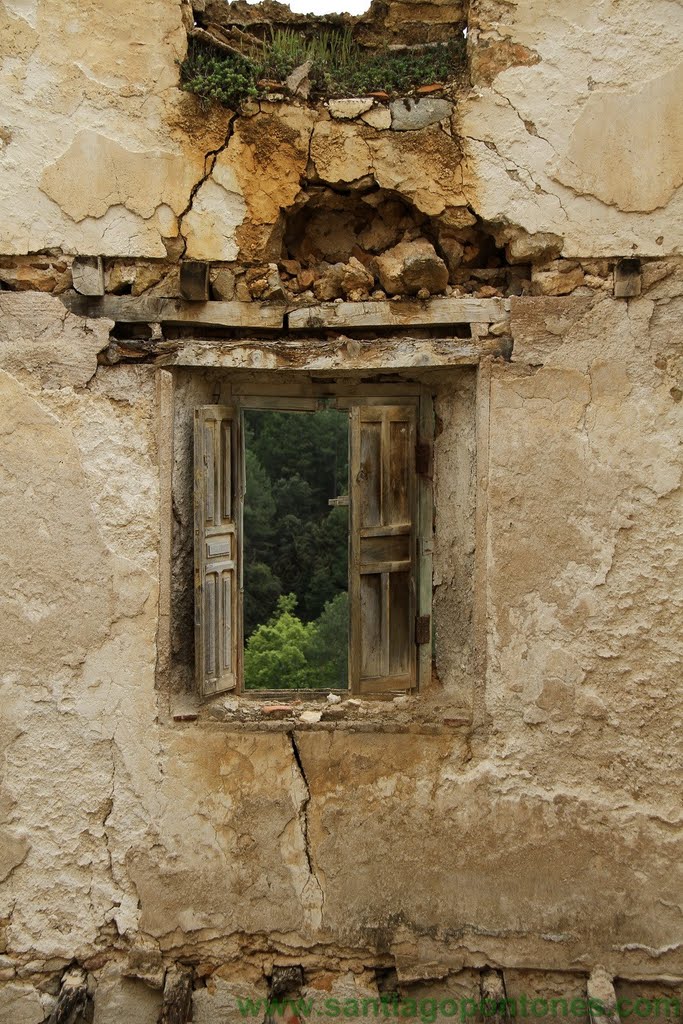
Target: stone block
(407, 115)
(120, 999)
(20, 1004)
(345, 110)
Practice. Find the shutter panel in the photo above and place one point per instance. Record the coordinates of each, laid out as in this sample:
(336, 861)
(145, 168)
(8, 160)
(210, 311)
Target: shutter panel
(383, 548)
(216, 551)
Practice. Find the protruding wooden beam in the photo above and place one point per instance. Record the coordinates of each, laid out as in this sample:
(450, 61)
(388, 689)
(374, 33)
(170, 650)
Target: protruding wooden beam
(628, 280)
(177, 1005)
(87, 273)
(72, 999)
(194, 280)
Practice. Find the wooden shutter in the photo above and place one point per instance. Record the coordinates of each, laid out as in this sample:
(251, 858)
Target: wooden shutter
(216, 548)
(382, 580)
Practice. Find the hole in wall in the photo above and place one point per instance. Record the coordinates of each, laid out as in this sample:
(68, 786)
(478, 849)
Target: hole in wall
(243, 50)
(364, 241)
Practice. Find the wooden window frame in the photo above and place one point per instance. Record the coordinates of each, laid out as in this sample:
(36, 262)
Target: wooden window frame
(350, 396)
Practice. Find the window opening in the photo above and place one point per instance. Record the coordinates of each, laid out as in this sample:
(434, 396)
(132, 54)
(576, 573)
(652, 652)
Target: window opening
(333, 544)
(296, 541)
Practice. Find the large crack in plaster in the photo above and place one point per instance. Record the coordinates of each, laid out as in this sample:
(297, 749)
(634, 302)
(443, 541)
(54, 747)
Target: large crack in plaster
(210, 159)
(318, 900)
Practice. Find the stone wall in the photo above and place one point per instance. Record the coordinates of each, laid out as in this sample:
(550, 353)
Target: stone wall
(523, 814)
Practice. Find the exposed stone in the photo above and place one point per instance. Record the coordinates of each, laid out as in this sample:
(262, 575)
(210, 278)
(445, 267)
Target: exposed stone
(36, 273)
(118, 998)
(540, 248)
(424, 167)
(356, 278)
(310, 717)
(222, 281)
(346, 110)
(456, 217)
(258, 287)
(602, 998)
(385, 229)
(379, 117)
(20, 1004)
(408, 115)
(299, 82)
(328, 285)
(559, 278)
(217, 1002)
(452, 249)
(145, 963)
(410, 266)
(138, 277)
(493, 56)
(306, 278)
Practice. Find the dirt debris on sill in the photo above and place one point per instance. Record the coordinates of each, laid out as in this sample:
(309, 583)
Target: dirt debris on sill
(399, 712)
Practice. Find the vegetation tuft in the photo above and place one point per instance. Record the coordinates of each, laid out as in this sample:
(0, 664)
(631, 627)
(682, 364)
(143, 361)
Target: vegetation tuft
(339, 66)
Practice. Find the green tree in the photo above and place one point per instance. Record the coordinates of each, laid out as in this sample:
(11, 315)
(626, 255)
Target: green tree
(275, 654)
(328, 573)
(293, 541)
(261, 592)
(328, 649)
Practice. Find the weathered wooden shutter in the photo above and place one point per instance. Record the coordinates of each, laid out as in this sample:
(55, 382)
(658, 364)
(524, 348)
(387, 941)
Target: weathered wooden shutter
(382, 580)
(216, 548)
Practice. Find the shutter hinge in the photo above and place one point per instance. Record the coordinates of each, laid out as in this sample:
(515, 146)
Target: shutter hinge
(423, 629)
(424, 459)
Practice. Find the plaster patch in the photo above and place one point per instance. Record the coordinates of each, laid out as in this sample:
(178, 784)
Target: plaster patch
(96, 173)
(626, 147)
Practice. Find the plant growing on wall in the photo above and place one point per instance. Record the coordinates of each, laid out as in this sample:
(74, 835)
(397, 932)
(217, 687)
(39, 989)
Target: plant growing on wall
(339, 67)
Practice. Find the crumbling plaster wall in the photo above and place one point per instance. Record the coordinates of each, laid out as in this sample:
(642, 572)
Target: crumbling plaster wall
(543, 834)
(539, 828)
(570, 129)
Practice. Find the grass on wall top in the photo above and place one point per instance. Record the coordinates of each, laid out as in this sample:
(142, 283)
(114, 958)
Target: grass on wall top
(339, 67)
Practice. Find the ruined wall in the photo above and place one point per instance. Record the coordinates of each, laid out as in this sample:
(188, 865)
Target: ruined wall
(524, 814)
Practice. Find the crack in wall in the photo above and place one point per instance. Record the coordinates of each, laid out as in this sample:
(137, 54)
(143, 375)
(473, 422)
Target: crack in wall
(210, 159)
(303, 817)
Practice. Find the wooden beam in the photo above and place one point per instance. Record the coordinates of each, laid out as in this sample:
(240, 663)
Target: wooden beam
(404, 313)
(194, 280)
(177, 1005)
(72, 999)
(87, 274)
(348, 315)
(132, 309)
(340, 354)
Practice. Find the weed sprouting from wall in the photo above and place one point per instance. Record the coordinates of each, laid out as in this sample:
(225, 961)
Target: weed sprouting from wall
(218, 77)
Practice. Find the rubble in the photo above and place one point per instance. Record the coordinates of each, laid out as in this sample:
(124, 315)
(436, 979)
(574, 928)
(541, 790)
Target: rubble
(410, 266)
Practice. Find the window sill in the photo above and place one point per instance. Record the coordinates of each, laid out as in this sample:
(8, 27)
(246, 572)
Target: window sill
(403, 714)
